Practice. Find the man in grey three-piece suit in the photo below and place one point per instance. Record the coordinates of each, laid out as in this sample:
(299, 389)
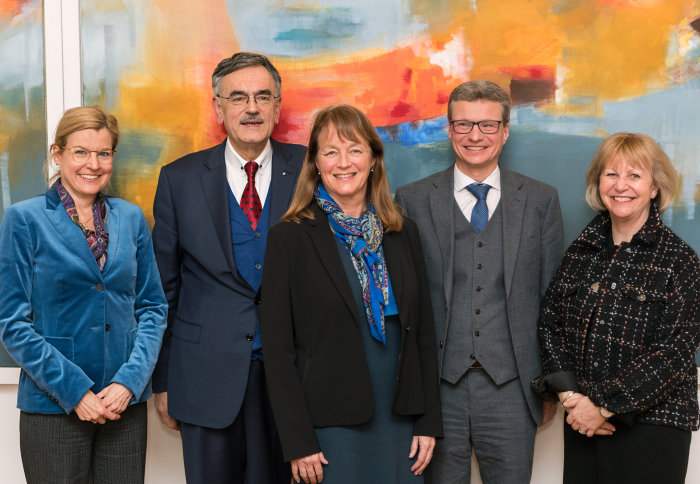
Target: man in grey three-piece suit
(492, 239)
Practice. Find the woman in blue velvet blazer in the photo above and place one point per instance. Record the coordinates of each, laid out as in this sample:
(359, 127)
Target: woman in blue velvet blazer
(82, 312)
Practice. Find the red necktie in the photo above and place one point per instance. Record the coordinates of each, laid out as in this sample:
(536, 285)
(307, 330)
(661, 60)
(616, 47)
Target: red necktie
(250, 201)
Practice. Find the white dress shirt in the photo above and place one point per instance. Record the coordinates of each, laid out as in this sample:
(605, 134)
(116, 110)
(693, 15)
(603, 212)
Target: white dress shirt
(465, 199)
(237, 178)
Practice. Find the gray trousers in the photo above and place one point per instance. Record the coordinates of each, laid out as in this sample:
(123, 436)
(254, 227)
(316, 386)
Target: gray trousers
(59, 448)
(495, 421)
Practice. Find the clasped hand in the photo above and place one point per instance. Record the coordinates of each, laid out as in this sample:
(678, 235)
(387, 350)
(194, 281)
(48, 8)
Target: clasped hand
(106, 405)
(584, 416)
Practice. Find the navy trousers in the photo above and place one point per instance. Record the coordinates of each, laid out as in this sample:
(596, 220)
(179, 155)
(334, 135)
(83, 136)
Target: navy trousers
(246, 452)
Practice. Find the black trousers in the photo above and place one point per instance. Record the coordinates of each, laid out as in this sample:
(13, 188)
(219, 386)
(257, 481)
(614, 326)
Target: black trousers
(246, 452)
(62, 449)
(638, 454)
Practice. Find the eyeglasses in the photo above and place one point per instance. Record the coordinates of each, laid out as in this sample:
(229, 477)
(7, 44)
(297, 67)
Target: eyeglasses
(238, 99)
(82, 155)
(464, 126)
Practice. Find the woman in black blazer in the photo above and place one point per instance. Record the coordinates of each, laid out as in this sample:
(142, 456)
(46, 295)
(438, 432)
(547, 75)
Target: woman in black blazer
(349, 344)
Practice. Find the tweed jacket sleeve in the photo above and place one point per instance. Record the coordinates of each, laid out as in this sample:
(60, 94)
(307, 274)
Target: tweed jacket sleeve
(626, 321)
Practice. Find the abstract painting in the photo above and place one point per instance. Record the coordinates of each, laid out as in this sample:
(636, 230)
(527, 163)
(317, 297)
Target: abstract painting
(22, 112)
(576, 71)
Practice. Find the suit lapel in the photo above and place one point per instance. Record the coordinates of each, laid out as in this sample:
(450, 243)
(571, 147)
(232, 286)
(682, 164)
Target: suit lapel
(70, 233)
(513, 207)
(113, 227)
(215, 189)
(324, 242)
(282, 182)
(441, 200)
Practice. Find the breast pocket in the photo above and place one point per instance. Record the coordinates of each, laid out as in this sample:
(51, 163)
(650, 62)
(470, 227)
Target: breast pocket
(639, 312)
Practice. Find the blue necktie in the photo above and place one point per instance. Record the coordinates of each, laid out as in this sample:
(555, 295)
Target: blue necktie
(480, 212)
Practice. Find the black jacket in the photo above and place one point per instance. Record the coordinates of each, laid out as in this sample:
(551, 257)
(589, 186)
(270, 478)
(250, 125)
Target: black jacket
(315, 364)
(622, 324)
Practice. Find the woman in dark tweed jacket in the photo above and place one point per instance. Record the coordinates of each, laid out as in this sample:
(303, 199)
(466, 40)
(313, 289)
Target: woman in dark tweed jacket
(620, 326)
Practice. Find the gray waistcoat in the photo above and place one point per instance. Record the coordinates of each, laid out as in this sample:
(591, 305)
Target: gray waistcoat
(478, 327)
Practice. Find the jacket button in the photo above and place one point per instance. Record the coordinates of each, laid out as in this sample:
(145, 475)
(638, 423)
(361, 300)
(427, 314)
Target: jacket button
(478, 266)
(642, 297)
(99, 287)
(107, 326)
(258, 266)
(257, 235)
(442, 344)
(249, 337)
(256, 300)
(478, 288)
(476, 333)
(408, 328)
(477, 311)
(480, 244)
(472, 356)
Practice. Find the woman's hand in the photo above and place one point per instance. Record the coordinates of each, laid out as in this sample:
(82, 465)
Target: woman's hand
(115, 397)
(424, 446)
(309, 468)
(584, 416)
(90, 408)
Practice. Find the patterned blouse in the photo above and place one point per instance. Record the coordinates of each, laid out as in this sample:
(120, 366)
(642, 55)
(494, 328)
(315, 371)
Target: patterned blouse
(97, 239)
(622, 324)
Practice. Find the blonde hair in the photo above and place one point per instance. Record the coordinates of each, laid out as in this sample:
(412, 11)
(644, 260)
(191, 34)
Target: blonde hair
(351, 124)
(638, 150)
(78, 119)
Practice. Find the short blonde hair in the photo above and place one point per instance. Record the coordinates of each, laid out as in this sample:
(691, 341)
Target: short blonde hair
(351, 124)
(638, 150)
(78, 119)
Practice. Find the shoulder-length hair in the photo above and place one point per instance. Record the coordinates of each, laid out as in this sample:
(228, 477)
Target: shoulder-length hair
(78, 119)
(351, 124)
(638, 150)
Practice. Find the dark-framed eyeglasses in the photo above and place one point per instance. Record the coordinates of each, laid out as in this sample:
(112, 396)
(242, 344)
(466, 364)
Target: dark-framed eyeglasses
(238, 99)
(82, 155)
(486, 126)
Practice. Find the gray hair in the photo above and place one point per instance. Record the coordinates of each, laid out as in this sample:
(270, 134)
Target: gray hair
(241, 60)
(480, 91)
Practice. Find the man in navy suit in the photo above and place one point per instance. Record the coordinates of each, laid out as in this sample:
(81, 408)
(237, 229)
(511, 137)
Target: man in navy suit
(212, 212)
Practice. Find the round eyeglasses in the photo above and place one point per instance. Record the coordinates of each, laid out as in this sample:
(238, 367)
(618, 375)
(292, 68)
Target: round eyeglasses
(464, 126)
(82, 155)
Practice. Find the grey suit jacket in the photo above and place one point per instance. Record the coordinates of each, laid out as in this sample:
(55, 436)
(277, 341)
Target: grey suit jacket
(533, 246)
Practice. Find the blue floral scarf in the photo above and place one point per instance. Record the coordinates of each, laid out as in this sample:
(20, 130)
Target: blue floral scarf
(363, 239)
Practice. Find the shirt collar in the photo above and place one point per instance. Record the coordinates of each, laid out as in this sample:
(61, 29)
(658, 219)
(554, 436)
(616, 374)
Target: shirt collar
(462, 180)
(263, 159)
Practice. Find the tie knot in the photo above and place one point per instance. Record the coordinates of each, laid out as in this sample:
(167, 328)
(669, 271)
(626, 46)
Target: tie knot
(251, 168)
(479, 190)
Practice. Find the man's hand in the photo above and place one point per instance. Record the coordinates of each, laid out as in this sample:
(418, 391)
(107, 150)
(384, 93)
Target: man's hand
(160, 401)
(549, 410)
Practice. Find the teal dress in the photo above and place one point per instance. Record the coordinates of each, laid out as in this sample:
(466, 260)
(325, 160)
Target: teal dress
(376, 451)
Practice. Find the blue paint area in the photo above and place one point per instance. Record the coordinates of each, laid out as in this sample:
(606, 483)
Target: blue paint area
(313, 30)
(424, 131)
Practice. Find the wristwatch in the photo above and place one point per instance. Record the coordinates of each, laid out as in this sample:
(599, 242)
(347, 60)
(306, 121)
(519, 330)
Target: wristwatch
(606, 413)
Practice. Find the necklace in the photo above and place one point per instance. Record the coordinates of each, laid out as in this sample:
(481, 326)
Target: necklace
(83, 225)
